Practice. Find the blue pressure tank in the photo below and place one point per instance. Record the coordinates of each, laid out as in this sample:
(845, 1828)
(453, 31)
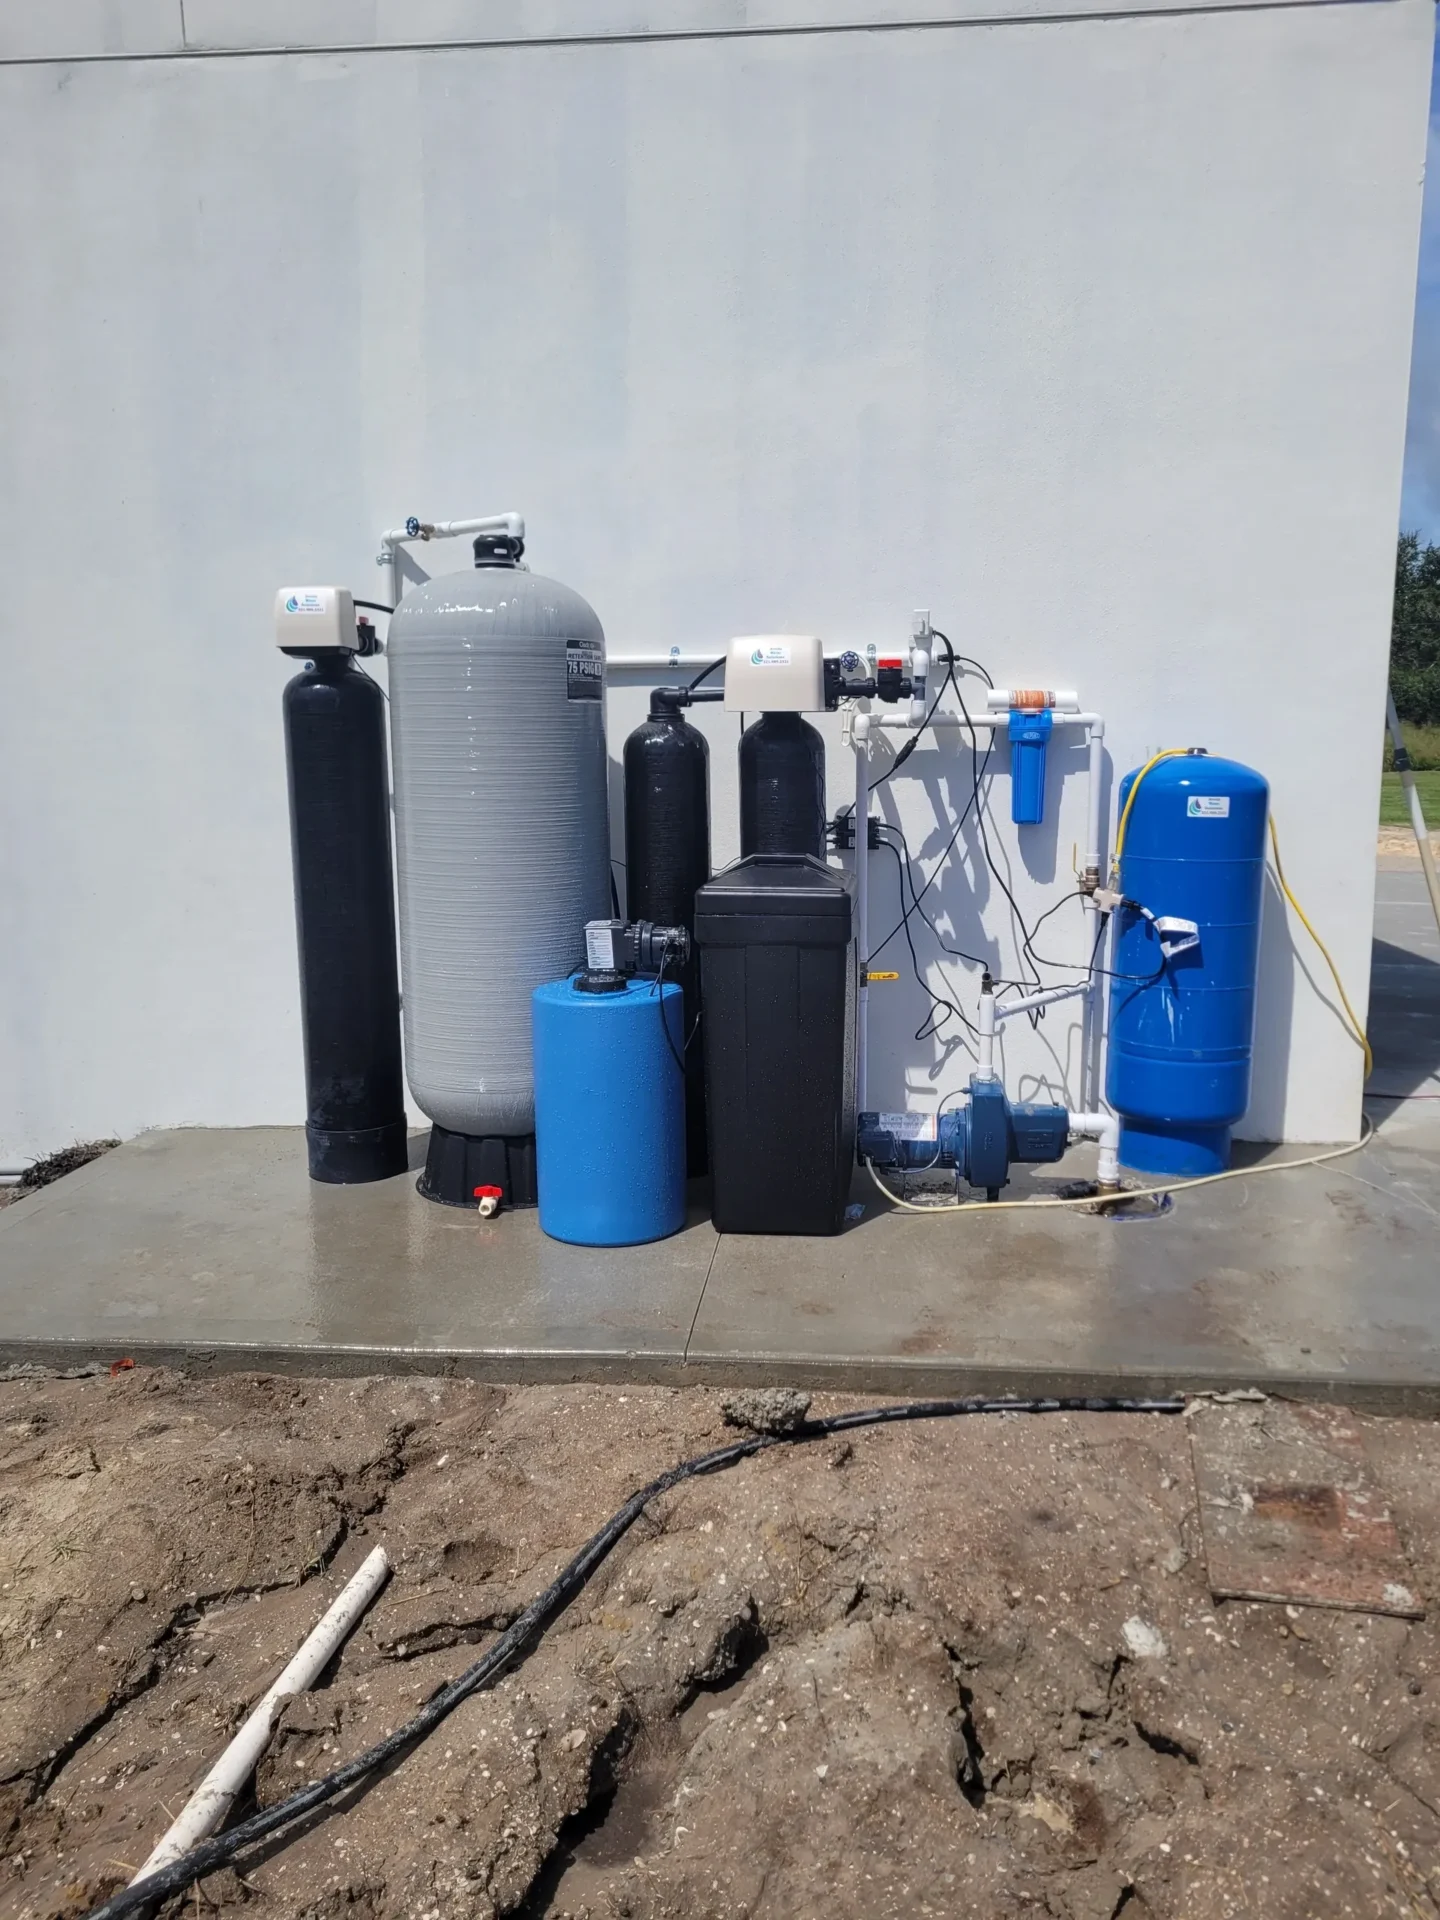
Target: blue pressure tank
(609, 1111)
(1182, 1023)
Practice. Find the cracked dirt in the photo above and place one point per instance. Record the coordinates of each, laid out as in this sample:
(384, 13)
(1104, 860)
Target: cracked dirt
(966, 1667)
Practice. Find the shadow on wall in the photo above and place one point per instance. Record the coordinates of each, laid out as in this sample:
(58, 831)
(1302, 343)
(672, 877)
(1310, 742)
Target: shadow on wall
(1404, 1019)
(966, 902)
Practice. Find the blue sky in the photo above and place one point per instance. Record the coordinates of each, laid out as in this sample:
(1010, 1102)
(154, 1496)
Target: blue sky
(1420, 502)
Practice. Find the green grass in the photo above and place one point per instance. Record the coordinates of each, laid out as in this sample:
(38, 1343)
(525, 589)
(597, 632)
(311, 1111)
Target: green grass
(1423, 743)
(1394, 809)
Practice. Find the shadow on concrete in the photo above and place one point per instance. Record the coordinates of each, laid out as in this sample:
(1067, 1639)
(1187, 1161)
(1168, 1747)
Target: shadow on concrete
(1404, 1022)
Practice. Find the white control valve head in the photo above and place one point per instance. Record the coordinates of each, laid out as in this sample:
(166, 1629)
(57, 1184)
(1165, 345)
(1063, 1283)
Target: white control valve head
(775, 673)
(311, 620)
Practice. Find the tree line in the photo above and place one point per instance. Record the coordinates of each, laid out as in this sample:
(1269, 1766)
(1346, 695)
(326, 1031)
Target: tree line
(1415, 632)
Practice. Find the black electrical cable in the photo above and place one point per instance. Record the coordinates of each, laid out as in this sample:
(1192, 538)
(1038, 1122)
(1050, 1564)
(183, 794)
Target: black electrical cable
(677, 1054)
(910, 745)
(705, 673)
(956, 953)
(374, 606)
(990, 862)
(930, 1024)
(1090, 968)
(916, 897)
(974, 801)
(211, 1855)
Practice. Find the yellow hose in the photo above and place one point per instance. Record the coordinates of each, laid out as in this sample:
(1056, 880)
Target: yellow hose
(1171, 753)
(1208, 1179)
(1165, 753)
(1130, 1193)
(1355, 1026)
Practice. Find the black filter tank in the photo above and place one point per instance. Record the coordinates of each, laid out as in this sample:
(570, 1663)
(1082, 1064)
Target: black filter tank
(667, 858)
(782, 787)
(345, 921)
(779, 983)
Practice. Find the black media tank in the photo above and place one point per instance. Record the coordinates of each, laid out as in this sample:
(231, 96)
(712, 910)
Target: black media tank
(667, 859)
(782, 787)
(345, 920)
(778, 986)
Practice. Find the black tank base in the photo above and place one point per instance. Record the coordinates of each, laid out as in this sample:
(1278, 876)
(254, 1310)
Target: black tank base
(350, 1159)
(458, 1163)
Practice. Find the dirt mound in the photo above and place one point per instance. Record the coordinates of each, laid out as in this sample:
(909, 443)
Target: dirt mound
(960, 1668)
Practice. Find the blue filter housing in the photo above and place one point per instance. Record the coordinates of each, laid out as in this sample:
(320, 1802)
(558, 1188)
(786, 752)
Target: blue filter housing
(609, 1112)
(1029, 737)
(1182, 1025)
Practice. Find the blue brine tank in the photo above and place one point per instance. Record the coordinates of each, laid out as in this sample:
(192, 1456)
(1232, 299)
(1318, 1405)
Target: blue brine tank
(609, 1111)
(1181, 1028)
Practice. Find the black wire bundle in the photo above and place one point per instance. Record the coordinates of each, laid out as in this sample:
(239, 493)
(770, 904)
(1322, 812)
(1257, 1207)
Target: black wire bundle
(941, 1006)
(211, 1855)
(677, 1054)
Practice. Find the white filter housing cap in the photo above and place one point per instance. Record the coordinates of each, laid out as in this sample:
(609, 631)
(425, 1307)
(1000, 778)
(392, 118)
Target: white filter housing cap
(775, 673)
(310, 617)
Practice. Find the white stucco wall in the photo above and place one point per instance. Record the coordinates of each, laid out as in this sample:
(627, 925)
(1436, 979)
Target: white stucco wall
(1089, 334)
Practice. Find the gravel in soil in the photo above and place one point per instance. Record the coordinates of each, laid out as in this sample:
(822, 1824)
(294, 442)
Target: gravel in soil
(965, 1667)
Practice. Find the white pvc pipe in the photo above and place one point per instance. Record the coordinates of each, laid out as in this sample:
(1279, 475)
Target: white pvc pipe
(1004, 1008)
(391, 542)
(1105, 1128)
(985, 1043)
(1094, 825)
(212, 1799)
(919, 681)
(860, 737)
(653, 662)
(946, 717)
(511, 523)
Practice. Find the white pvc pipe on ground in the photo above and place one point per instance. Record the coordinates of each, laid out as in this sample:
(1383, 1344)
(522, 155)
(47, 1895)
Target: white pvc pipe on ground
(212, 1799)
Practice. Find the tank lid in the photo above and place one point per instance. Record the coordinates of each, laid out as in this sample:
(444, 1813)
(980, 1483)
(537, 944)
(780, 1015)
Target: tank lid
(599, 980)
(769, 897)
(497, 549)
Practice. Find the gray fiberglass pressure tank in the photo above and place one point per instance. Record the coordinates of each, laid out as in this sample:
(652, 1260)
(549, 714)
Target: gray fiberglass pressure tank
(497, 681)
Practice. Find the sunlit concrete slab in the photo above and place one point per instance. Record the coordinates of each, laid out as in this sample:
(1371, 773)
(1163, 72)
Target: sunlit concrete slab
(217, 1242)
(1322, 1280)
(214, 1248)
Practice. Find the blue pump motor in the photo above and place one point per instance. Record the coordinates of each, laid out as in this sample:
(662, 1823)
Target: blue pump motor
(609, 1111)
(979, 1140)
(1182, 1024)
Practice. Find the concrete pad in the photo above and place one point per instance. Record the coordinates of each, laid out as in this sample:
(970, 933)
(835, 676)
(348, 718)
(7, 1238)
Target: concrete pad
(1323, 1281)
(214, 1248)
(182, 1245)
(1405, 987)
